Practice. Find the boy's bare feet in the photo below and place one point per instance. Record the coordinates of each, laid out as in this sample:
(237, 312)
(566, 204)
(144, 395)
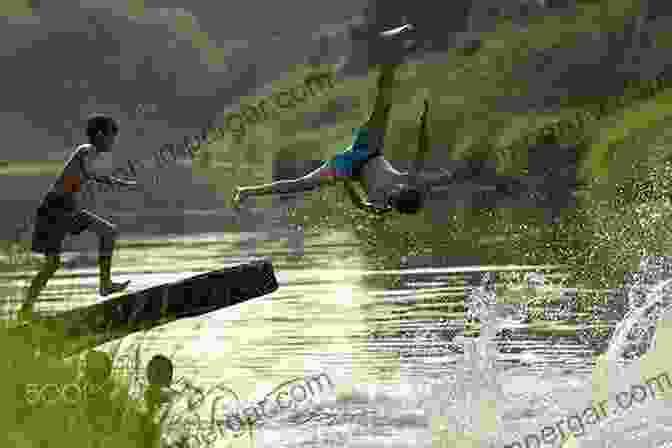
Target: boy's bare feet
(106, 290)
(395, 44)
(398, 31)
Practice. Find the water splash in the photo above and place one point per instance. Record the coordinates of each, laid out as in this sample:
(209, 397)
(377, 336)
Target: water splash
(471, 403)
(481, 298)
(634, 335)
(466, 424)
(535, 280)
(471, 415)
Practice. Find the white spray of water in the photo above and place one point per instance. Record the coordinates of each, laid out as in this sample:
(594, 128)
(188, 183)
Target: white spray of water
(619, 341)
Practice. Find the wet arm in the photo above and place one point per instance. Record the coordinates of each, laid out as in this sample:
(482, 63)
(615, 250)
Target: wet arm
(309, 182)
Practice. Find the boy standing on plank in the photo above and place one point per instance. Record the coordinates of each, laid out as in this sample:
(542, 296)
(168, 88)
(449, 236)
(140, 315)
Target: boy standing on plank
(60, 213)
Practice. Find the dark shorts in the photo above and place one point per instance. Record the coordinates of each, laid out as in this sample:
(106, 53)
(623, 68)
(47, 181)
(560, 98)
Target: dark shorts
(350, 162)
(56, 218)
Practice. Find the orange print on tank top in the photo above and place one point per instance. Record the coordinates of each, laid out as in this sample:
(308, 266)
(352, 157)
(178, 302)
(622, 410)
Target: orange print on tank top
(72, 184)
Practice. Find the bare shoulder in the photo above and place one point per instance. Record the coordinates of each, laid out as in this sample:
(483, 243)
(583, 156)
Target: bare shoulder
(85, 150)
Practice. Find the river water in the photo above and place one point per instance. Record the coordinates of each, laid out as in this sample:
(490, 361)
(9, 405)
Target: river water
(411, 354)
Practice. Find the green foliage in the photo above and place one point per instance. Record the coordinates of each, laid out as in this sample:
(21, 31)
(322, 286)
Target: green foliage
(604, 238)
(110, 419)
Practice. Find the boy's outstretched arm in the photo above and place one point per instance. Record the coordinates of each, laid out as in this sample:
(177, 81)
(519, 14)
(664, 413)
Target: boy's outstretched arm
(311, 181)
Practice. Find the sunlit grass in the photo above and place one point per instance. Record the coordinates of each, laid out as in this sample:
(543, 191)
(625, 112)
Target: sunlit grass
(111, 418)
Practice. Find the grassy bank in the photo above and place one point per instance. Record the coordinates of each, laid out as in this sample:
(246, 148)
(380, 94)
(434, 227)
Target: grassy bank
(106, 416)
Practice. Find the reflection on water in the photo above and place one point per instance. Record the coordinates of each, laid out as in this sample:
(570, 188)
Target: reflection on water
(402, 345)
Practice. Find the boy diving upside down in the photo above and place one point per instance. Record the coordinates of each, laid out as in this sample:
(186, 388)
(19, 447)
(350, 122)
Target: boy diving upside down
(60, 213)
(387, 188)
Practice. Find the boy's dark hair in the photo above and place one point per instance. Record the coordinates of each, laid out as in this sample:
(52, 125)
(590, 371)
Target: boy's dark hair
(101, 123)
(408, 200)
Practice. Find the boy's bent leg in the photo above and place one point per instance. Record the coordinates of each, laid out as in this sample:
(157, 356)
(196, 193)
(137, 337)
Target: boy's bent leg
(106, 231)
(385, 85)
(107, 286)
(395, 54)
(377, 122)
(107, 236)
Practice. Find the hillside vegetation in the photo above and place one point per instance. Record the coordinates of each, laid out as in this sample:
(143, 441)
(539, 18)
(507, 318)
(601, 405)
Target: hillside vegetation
(467, 121)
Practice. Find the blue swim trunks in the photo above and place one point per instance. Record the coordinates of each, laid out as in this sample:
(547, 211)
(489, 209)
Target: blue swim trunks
(350, 162)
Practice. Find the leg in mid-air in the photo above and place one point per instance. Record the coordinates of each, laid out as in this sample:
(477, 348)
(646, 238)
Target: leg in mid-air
(379, 118)
(370, 136)
(393, 54)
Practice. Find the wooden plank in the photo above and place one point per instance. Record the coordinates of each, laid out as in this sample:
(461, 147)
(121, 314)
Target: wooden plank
(82, 328)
